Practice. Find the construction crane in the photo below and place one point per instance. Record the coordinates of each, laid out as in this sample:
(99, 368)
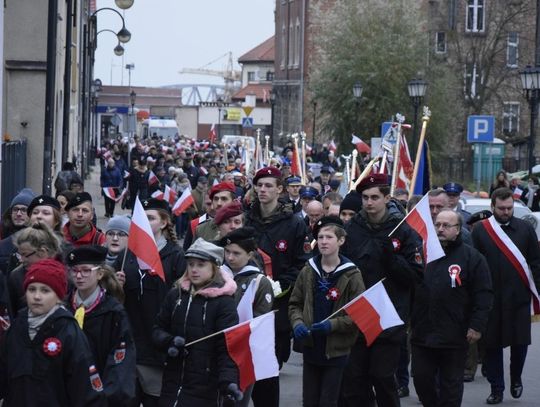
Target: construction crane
(229, 75)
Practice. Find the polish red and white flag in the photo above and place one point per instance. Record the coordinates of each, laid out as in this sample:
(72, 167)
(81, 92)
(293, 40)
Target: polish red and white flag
(142, 244)
(213, 134)
(248, 345)
(170, 195)
(126, 174)
(159, 194)
(361, 146)
(373, 312)
(420, 220)
(184, 202)
(152, 178)
(517, 193)
(110, 193)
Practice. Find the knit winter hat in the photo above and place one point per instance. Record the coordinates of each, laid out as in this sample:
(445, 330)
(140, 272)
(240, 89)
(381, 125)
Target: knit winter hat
(120, 223)
(352, 202)
(23, 198)
(49, 272)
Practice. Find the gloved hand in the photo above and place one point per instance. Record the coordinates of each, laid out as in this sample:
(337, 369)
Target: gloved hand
(177, 344)
(300, 331)
(323, 328)
(232, 392)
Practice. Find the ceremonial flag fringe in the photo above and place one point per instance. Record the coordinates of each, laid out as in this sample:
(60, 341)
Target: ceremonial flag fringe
(423, 179)
(184, 202)
(373, 312)
(420, 220)
(142, 244)
(251, 346)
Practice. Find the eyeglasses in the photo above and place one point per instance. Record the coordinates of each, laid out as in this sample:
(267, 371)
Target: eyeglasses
(83, 271)
(445, 226)
(117, 235)
(21, 256)
(21, 209)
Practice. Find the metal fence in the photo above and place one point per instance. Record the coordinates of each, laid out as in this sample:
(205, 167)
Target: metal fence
(13, 170)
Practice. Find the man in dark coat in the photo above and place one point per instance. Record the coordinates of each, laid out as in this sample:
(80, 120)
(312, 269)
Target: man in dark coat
(450, 311)
(282, 235)
(501, 238)
(399, 261)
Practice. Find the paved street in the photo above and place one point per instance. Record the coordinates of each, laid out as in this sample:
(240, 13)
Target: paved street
(291, 374)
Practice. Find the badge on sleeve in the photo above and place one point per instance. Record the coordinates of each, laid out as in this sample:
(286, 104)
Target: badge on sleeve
(397, 244)
(281, 245)
(95, 380)
(454, 270)
(52, 346)
(417, 257)
(120, 353)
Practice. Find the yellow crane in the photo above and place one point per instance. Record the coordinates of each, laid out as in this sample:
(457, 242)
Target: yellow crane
(229, 75)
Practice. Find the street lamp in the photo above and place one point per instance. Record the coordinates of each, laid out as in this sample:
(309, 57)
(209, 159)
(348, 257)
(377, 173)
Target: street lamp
(124, 4)
(530, 81)
(123, 34)
(417, 91)
(118, 51)
(219, 104)
(272, 104)
(357, 93)
(315, 122)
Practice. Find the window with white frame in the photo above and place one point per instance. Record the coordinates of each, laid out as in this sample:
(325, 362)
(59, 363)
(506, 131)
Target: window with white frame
(473, 80)
(291, 45)
(475, 16)
(510, 117)
(512, 43)
(440, 42)
(283, 46)
(251, 76)
(298, 39)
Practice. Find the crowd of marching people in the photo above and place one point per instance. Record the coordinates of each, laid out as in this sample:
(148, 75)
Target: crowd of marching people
(90, 317)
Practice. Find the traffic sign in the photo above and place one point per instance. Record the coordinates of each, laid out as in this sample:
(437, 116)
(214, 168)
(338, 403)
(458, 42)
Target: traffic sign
(385, 127)
(480, 129)
(247, 122)
(247, 110)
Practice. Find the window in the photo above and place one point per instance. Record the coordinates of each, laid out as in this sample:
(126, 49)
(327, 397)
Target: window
(512, 50)
(283, 46)
(269, 76)
(291, 45)
(475, 16)
(298, 39)
(473, 80)
(440, 42)
(510, 117)
(251, 76)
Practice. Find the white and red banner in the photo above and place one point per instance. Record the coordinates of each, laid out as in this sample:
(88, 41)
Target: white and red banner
(420, 220)
(213, 134)
(361, 146)
(152, 178)
(517, 193)
(515, 257)
(110, 192)
(251, 346)
(142, 244)
(405, 170)
(168, 195)
(184, 202)
(245, 306)
(373, 312)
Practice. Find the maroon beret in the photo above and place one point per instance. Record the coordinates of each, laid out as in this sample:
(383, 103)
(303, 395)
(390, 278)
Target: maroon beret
(228, 211)
(222, 186)
(267, 172)
(373, 180)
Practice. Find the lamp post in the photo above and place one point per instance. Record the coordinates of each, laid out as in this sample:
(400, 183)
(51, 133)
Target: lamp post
(119, 49)
(219, 104)
(357, 89)
(313, 130)
(124, 4)
(530, 81)
(417, 91)
(272, 104)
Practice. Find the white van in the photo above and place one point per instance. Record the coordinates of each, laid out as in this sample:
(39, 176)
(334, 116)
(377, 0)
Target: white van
(163, 128)
(232, 140)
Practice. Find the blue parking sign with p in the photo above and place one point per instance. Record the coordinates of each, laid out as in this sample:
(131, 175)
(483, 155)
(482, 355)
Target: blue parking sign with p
(480, 129)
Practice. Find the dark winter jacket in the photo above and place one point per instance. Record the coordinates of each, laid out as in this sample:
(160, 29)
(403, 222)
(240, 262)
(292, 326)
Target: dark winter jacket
(53, 369)
(138, 185)
(107, 329)
(145, 294)
(510, 319)
(111, 177)
(369, 247)
(348, 284)
(205, 367)
(442, 314)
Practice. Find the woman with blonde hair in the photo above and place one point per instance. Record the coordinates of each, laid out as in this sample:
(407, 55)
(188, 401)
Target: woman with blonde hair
(200, 304)
(46, 209)
(145, 292)
(33, 243)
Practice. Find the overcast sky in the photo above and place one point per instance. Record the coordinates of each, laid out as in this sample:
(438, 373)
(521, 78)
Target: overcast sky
(168, 35)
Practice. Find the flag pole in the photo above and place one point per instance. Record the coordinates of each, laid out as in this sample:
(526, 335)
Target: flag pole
(333, 314)
(405, 218)
(425, 119)
(400, 119)
(364, 173)
(352, 171)
(304, 165)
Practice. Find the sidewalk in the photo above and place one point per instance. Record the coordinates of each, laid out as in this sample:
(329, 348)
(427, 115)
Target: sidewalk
(92, 186)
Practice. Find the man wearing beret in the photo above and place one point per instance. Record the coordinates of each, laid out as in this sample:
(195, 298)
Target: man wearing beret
(80, 230)
(283, 237)
(399, 261)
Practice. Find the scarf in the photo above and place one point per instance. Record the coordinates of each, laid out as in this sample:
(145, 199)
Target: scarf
(530, 196)
(35, 321)
(161, 242)
(110, 259)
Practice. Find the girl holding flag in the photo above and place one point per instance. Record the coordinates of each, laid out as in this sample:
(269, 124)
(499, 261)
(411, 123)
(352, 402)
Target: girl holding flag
(199, 305)
(145, 291)
(325, 284)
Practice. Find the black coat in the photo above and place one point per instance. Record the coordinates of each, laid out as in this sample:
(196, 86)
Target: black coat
(403, 267)
(31, 377)
(442, 314)
(107, 329)
(205, 367)
(145, 296)
(510, 319)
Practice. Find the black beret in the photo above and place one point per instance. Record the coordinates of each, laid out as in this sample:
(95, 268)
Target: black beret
(156, 204)
(80, 198)
(243, 237)
(327, 221)
(43, 200)
(88, 254)
(477, 216)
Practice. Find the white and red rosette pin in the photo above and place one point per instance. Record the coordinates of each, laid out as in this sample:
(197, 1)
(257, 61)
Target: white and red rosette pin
(333, 294)
(52, 346)
(454, 270)
(281, 245)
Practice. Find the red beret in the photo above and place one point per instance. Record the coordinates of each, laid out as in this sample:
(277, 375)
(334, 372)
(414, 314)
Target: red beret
(267, 172)
(373, 180)
(228, 211)
(222, 186)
